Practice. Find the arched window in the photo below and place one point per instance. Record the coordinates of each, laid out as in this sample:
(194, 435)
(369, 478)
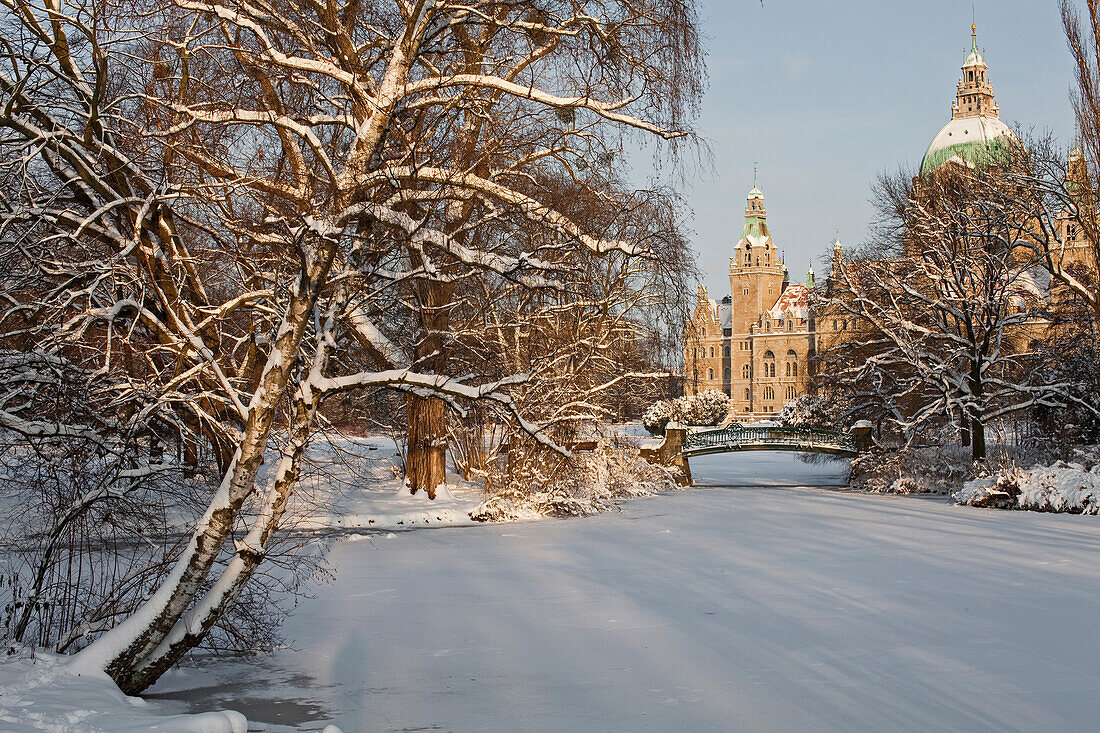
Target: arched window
(790, 393)
(788, 369)
(727, 374)
(726, 351)
(769, 364)
(745, 372)
(711, 352)
(710, 374)
(792, 363)
(747, 398)
(769, 393)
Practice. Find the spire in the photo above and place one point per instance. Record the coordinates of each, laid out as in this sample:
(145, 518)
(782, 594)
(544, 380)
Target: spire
(974, 96)
(754, 204)
(836, 242)
(810, 277)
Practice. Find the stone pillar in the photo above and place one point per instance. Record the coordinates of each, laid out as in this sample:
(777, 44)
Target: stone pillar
(669, 453)
(863, 433)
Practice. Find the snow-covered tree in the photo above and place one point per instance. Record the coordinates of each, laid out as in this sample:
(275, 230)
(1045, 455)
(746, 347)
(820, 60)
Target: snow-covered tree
(946, 307)
(229, 212)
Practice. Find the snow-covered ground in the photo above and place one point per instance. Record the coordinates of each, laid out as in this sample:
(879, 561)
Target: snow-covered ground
(351, 483)
(722, 608)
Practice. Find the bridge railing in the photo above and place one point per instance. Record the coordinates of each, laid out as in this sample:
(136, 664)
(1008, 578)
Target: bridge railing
(737, 435)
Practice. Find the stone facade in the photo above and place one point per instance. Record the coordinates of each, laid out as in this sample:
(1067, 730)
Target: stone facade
(756, 344)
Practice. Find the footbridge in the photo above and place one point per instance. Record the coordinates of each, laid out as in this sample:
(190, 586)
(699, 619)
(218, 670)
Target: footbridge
(680, 443)
(738, 437)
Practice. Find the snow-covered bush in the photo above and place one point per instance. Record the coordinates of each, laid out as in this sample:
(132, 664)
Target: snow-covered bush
(659, 415)
(805, 411)
(706, 408)
(1064, 486)
(928, 470)
(585, 483)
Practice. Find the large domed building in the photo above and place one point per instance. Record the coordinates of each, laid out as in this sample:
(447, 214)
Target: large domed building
(975, 132)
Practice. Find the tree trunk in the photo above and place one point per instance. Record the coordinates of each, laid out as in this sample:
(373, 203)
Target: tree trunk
(977, 432)
(426, 436)
(426, 462)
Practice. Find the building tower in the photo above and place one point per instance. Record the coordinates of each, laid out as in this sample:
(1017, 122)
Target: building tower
(756, 268)
(975, 93)
(972, 136)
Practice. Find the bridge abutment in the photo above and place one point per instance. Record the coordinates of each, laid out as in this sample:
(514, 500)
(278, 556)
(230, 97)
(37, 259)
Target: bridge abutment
(670, 454)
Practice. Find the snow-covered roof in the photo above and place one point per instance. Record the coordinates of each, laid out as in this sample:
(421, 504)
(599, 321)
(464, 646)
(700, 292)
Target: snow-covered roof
(1033, 283)
(755, 231)
(793, 303)
(725, 315)
(973, 58)
(967, 141)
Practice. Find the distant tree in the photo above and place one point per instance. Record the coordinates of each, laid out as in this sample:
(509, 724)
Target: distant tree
(946, 308)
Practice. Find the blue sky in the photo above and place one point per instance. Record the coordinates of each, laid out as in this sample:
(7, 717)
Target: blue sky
(828, 94)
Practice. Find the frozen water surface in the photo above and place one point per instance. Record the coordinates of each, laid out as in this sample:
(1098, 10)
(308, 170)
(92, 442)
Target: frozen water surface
(742, 605)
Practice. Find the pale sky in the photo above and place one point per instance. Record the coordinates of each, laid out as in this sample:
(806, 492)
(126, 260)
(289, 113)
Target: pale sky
(828, 94)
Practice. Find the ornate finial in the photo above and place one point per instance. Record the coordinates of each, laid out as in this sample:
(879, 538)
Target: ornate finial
(754, 165)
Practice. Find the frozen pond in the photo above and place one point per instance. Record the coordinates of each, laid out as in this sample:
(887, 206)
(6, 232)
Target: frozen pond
(725, 608)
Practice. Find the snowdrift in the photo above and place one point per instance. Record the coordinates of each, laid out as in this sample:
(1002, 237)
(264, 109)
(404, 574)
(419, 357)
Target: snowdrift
(1066, 486)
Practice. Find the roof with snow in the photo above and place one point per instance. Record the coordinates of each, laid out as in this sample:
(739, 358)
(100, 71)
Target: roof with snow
(974, 58)
(755, 230)
(725, 315)
(968, 141)
(793, 303)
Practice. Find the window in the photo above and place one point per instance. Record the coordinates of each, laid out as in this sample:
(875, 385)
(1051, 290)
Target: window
(727, 374)
(745, 372)
(711, 352)
(745, 291)
(792, 363)
(788, 369)
(726, 352)
(695, 353)
(836, 325)
(790, 393)
(747, 398)
(769, 393)
(710, 374)
(769, 364)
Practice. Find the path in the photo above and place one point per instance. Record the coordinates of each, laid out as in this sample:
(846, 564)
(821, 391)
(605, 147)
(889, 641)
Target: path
(713, 609)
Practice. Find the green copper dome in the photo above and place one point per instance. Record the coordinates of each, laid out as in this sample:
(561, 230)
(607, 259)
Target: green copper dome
(969, 141)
